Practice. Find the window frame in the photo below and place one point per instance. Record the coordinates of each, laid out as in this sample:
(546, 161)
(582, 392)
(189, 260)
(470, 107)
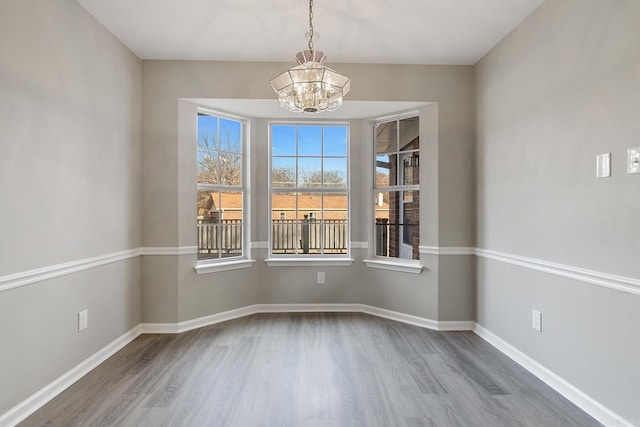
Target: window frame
(276, 259)
(243, 260)
(380, 261)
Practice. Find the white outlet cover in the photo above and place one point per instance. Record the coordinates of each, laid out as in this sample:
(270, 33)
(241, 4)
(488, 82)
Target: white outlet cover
(536, 320)
(603, 165)
(83, 320)
(633, 160)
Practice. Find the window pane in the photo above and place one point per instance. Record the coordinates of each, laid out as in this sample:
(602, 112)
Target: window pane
(230, 136)
(284, 225)
(383, 170)
(334, 173)
(335, 226)
(386, 138)
(220, 224)
(283, 172)
(230, 226)
(381, 210)
(409, 132)
(309, 172)
(208, 221)
(208, 167)
(230, 169)
(207, 132)
(231, 205)
(310, 217)
(410, 225)
(410, 168)
(283, 140)
(310, 204)
(397, 230)
(310, 141)
(335, 141)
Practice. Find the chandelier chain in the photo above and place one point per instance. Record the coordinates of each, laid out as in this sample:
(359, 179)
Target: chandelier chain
(310, 24)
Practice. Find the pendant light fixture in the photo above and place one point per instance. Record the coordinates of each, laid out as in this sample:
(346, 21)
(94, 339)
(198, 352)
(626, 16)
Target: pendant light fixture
(311, 87)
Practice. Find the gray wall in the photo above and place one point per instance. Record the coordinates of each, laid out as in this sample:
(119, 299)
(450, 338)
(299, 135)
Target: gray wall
(169, 193)
(560, 89)
(77, 181)
(70, 184)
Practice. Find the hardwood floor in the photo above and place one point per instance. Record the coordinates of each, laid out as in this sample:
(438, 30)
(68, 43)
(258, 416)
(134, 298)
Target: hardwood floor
(324, 369)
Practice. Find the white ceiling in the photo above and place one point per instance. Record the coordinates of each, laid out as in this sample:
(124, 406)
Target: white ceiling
(456, 32)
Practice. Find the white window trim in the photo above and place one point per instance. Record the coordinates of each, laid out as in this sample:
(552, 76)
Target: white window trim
(309, 259)
(395, 264)
(243, 261)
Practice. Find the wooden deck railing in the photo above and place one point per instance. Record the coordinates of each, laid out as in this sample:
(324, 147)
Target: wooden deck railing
(222, 239)
(289, 236)
(309, 236)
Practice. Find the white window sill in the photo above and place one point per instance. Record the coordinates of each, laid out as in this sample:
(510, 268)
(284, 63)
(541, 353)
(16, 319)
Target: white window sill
(214, 267)
(405, 266)
(302, 262)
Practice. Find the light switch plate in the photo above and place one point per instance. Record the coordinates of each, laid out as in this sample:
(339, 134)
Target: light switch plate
(633, 160)
(603, 165)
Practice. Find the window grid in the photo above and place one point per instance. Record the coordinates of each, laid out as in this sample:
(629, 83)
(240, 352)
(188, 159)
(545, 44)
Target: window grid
(221, 214)
(396, 185)
(306, 234)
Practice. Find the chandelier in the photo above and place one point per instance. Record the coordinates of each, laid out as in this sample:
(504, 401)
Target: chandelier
(311, 87)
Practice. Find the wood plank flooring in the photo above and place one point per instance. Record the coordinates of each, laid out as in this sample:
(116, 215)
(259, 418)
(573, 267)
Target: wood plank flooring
(311, 369)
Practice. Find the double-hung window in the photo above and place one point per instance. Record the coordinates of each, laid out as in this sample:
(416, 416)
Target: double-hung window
(309, 189)
(397, 188)
(221, 189)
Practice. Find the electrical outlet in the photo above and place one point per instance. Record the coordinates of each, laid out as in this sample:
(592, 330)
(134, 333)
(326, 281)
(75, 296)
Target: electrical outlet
(603, 165)
(320, 280)
(633, 160)
(536, 320)
(83, 320)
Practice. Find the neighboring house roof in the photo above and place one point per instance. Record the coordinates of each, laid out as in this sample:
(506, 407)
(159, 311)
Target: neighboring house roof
(335, 205)
(230, 205)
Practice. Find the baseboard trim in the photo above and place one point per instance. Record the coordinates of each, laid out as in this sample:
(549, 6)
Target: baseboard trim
(573, 394)
(598, 411)
(174, 328)
(308, 308)
(400, 317)
(37, 400)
